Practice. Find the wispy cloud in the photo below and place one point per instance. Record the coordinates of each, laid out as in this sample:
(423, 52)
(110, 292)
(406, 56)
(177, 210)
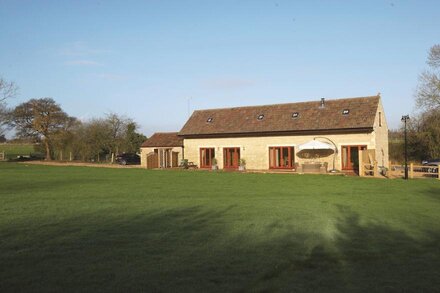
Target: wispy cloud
(228, 83)
(80, 49)
(112, 76)
(81, 54)
(82, 63)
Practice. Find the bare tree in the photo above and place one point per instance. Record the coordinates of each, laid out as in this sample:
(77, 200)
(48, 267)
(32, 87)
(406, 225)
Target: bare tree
(117, 126)
(7, 90)
(434, 57)
(40, 118)
(91, 139)
(64, 138)
(4, 115)
(424, 136)
(424, 129)
(100, 137)
(428, 91)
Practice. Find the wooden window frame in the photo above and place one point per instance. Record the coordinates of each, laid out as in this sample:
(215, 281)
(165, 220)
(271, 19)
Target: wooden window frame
(291, 154)
(236, 159)
(209, 158)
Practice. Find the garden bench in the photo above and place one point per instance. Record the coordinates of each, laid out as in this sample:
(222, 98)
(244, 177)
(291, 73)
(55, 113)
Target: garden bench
(191, 165)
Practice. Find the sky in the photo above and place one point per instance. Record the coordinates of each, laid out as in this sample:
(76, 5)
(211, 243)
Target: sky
(157, 61)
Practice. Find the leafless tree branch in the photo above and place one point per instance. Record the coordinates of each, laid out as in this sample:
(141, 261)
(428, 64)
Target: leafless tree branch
(7, 89)
(428, 91)
(434, 57)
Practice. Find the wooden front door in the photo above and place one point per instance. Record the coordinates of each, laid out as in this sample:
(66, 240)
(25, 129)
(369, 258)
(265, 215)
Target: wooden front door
(152, 160)
(231, 158)
(207, 156)
(175, 159)
(350, 157)
(281, 157)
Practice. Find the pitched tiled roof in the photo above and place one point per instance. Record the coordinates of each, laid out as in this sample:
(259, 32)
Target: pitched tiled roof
(278, 117)
(164, 139)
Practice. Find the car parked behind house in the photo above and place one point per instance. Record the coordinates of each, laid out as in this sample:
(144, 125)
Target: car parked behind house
(127, 158)
(430, 162)
(431, 166)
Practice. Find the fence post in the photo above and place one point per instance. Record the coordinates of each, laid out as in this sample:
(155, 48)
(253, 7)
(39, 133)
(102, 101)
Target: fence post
(70, 156)
(411, 170)
(438, 173)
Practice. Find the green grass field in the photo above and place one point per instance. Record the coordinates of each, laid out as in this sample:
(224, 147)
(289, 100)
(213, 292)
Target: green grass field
(14, 150)
(92, 229)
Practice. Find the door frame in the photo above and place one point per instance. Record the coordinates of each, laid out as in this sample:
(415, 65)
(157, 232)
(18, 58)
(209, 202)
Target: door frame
(291, 154)
(235, 159)
(349, 162)
(209, 158)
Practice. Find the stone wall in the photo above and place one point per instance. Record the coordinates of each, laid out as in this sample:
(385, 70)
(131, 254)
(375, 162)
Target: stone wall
(255, 150)
(381, 137)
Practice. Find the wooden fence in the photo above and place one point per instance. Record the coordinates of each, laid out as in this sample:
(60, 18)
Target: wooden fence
(415, 171)
(367, 164)
(369, 167)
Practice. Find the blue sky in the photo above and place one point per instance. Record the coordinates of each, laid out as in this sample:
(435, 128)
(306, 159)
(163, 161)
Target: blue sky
(147, 59)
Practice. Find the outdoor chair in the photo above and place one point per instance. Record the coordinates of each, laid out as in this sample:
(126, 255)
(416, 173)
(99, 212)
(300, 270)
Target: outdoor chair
(323, 168)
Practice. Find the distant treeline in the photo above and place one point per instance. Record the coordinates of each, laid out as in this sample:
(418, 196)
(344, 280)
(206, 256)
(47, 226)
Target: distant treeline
(60, 136)
(423, 134)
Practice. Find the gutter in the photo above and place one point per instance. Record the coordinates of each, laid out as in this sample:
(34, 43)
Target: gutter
(280, 133)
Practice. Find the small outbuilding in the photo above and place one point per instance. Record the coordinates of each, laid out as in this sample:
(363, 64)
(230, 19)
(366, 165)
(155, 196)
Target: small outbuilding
(162, 150)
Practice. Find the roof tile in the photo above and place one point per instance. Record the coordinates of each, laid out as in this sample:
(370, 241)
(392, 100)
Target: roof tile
(278, 117)
(164, 139)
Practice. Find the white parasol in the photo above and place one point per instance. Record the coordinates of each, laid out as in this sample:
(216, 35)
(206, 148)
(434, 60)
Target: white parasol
(315, 145)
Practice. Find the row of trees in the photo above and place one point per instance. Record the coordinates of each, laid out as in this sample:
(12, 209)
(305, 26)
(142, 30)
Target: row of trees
(424, 125)
(94, 139)
(44, 121)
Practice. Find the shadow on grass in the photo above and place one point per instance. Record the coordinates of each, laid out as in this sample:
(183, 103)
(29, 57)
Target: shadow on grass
(433, 192)
(46, 185)
(194, 249)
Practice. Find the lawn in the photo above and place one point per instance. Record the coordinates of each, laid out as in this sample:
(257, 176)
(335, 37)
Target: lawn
(92, 229)
(13, 150)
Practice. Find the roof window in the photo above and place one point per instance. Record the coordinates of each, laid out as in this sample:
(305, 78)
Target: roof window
(260, 117)
(295, 115)
(345, 112)
(209, 120)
